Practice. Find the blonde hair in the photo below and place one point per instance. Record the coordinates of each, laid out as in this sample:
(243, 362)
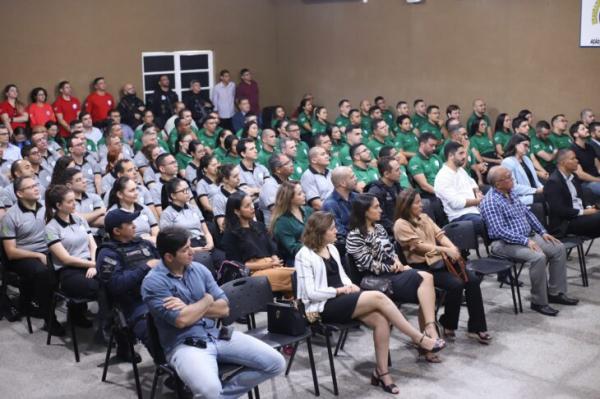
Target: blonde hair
(283, 201)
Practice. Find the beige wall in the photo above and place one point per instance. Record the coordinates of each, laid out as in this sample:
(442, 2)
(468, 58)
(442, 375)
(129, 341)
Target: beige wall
(513, 53)
(46, 41)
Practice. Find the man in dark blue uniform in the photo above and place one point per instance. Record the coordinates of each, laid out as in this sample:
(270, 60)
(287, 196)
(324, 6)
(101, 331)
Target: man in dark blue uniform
(122, 264)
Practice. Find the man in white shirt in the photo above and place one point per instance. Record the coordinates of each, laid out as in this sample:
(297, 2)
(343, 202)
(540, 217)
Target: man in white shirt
(223, 98)
(458, 192)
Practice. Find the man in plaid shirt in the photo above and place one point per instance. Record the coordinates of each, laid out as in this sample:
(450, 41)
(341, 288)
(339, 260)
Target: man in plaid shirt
(517, 234)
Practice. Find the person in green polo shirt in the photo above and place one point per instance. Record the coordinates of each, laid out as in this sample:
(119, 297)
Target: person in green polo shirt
(433, 124)
(268, 147)
(337, 141)
(386, 114)
(220, 151)
(479, 109)
(343, 119)
(324, 141)
(503, 133)
(182, 155)
(365, 119)
(186, 116)
(353, 136)
(380, 136)
(560, 136)
(528, 116)
(356, 119)
(289, 148)
(406, 140)
(305, 117)
(208, 134)
(319, 123)
(231, 155)
(420, 115)
(483, 147)
(278, 116)
(425, 164)
(542, 147)
(361, 159)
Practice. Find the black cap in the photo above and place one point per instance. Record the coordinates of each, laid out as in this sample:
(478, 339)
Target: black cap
(117, 217)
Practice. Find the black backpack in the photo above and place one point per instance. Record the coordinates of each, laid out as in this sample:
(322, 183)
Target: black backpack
(231, 270)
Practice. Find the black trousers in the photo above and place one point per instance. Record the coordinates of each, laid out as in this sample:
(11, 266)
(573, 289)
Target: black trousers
(585, 225)
(37, 281)
(73, 283)
(454, 287)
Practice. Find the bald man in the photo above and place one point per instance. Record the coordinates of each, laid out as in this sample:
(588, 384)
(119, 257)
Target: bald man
(479, 109)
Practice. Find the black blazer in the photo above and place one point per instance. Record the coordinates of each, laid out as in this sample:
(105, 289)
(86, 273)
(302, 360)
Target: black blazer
(560, 203)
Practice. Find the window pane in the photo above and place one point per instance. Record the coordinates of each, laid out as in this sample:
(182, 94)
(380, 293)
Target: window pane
(199, 61)
(186, 78)
(151, 81)
(159, 63)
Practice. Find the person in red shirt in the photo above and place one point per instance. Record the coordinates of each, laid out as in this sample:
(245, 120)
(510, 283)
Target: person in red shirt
(99, 103)
(12, 111)
(40, 112)
(66, 107)
(248, 88)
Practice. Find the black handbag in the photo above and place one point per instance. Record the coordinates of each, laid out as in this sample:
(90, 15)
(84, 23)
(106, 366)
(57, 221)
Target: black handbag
(378, 283)
(286, 319)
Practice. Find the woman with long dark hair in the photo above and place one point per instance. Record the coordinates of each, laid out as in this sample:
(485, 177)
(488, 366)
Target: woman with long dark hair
(246, 240)
(503, 132)
(373, 252)
(483, 148)
(73, 249)
(39, 110)
(220, 152)
(327, 293)
(12, 111)
(231, 155)
(229, 182)
(424, 245)
(206, 182)
(124, 195)
(193, 171)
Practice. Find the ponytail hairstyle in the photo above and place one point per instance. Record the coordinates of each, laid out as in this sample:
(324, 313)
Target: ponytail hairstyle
(119, 185)
(54, 196)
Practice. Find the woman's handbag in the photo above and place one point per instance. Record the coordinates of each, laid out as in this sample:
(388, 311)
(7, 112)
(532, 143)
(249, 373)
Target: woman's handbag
(378, 283)
(456, 267)
(285, 318)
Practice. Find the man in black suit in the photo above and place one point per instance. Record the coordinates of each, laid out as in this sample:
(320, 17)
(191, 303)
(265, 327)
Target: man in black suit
(567, 209)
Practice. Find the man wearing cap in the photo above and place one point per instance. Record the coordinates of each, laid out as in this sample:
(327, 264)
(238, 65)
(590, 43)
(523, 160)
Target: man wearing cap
(122, 263)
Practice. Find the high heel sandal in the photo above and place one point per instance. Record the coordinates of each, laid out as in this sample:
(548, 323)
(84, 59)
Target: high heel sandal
(437, 346)
(482, 337)
(377, 381)
(430, 357)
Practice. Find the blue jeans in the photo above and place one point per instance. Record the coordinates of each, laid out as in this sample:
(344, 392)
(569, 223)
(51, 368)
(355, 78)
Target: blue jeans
(477, 222)
(198, 368)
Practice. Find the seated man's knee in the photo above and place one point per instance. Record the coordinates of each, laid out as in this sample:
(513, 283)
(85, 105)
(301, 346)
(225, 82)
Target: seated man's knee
(206, 388)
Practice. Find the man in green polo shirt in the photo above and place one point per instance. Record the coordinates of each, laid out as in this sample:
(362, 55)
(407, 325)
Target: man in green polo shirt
(560, 137)
(424, 166)
(268, 148)
(542, 147)
(365, 119)
(361, 158)
(343, 119)
(186, 116)
(433, 124)
(479, 109)
(386, 114)
(353, 136)
(420, 115)
(208, 134)
(380, 136)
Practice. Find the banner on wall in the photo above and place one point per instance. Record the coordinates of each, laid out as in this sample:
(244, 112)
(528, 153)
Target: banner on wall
(590, 23)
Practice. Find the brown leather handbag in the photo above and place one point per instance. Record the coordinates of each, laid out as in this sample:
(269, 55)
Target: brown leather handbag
(457, 267)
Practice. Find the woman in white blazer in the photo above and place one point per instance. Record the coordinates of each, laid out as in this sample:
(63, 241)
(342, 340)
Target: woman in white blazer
(324, 288)
(520, 165)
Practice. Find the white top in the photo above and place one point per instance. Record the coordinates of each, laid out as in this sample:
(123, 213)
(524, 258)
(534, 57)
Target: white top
(453, 188)
(223, 98)
(312, 278)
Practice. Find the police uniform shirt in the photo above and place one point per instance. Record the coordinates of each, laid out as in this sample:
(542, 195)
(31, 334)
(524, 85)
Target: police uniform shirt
(188, 217)
(253, 177)
(26, 227)
(8, 197)
(206, 188)
(89, 168)
(144, 222)
(266, 197)
(316, 185)
(73, 235)
(219, 201)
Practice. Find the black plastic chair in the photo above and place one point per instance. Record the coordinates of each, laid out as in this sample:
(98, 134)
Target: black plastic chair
(250, 295)
(569, 241)
(12, 279)
(59, 295)
(463, 235)
(226, 370)
(120, 326)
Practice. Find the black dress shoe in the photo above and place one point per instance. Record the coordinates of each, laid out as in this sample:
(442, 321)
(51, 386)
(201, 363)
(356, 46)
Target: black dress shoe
(9, 311)
(562, 299)
(544, 309)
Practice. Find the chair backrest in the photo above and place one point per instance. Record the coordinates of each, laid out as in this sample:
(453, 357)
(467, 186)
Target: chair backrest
(539, 210)
(246, 296)
(428, 208)
(156, 350)
(352, 271)
(462, 234)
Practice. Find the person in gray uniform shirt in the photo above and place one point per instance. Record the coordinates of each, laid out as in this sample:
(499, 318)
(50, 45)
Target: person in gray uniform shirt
(89, 207)
(19, 168)
(229, 183)
(25, 247)
(197, 151)
(184, 213)
(206, 186)
(73, 248)
(124, 195)
(281, 168)
(125, 167)
(252, 175)
(84, 161)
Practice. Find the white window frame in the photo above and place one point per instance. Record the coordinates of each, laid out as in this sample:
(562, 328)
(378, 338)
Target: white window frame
(177, 70)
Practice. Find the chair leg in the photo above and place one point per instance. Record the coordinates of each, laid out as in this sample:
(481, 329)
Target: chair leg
(28, 318)
(136, 376)
(339, 342)
(331, 364)
(512, 292)
(344, 341)
(313, 368)
(154, 383)
(107, 357)
(256, 392)
(73, 334)
(289, 366)
(50, 319)
(589, 247)
(517, 285)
